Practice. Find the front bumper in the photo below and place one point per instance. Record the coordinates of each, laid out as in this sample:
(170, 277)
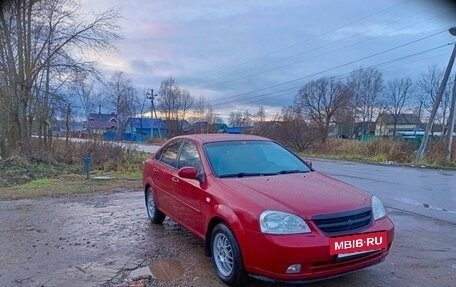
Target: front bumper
(268, 256)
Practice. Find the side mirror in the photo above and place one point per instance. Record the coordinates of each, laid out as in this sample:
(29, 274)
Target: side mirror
(188, 172)
(191, 172)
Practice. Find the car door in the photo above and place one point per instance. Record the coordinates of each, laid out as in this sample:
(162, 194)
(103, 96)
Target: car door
(163, 176)
(188, 191)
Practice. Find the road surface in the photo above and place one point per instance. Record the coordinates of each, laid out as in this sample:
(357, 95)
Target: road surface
(428, 192)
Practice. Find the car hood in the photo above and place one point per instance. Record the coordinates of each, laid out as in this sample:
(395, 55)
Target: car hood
(304, 194)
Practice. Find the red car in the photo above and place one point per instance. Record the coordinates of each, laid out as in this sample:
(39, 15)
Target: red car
(263, 211)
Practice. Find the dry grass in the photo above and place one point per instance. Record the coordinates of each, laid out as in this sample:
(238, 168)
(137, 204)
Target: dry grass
(106, 156)
(382, 150)
(35, 168)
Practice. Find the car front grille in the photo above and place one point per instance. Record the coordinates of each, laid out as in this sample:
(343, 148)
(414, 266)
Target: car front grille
(344, 222)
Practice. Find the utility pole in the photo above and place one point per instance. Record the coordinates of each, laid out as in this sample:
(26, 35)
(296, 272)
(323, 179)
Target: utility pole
(419, 118)
(67, 123)
(438, 99)
(451, 121)
(151, 96)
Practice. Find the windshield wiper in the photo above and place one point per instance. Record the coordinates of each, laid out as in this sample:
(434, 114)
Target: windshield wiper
(246, 174)
(240, 174)
(287, 171)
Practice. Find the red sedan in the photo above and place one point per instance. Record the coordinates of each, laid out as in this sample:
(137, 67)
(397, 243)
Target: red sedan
(263, 211)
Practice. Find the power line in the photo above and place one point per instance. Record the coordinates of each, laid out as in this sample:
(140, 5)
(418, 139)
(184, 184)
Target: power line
(216, 82)
(312, 37)
(338, 66)
(257, 98)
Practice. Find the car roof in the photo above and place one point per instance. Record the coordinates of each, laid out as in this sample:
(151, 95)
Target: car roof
(214, 137)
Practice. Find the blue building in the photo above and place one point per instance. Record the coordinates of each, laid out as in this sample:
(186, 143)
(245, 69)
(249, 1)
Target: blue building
(141, 129)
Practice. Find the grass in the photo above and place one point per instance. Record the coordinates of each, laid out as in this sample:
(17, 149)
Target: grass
(42, 182)
(73, 185)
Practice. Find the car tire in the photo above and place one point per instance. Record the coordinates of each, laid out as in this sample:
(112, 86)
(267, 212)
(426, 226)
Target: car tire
(154, 214)
(226, 256)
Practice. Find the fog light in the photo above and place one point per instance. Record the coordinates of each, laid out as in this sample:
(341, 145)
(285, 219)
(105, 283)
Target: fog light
(294, 268)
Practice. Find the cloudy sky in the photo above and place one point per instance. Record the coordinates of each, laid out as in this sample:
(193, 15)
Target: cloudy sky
(240, 54)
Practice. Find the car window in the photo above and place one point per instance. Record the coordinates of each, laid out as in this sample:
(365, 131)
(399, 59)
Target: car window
(189, 156)
(252, 158)
(169, 154)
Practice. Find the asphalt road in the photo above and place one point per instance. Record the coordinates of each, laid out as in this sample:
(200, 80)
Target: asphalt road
(427, 192)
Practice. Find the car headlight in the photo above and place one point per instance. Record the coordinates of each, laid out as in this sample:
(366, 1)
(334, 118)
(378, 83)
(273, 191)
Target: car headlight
(377, 208)
(278, 222)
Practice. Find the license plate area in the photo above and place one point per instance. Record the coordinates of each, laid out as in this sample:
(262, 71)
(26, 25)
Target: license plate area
(358, 244)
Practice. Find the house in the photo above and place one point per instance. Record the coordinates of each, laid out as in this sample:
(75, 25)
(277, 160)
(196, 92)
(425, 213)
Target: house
(99, 123)
(364, 128)
(386, 124)
(220, 127)
(144, 128)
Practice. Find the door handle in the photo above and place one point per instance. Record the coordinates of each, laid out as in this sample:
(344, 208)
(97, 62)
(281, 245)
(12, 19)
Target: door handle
(175, 179)
(155, 169)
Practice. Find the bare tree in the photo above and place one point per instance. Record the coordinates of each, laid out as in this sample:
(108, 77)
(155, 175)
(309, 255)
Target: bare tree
(83, 87)
(235, 119)
(247, 120)
(427, 87)
(121, 94)
(174, 102)
(319, 100)
(168, 98)
(200, 107)
(240, 119)
(261, 114)
(186, 103)
(366, 85)
(40, 40)
(397, 95)
(204, 112)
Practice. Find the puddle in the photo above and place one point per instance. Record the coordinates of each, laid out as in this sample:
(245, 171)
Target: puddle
(166, 270)
(162, 270)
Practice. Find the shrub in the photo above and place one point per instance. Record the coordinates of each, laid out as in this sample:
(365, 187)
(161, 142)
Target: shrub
(107, 156)
(436, 153)
(380, 150)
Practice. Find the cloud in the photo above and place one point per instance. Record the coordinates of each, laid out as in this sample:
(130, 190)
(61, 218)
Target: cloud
(227, 50)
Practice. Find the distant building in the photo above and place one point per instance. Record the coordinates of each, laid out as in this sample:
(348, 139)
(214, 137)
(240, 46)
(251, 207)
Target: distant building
(364, 128)
(405, 123)
(99, 123)
(146, 127)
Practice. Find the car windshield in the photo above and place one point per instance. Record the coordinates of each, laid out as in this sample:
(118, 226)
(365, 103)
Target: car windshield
(252, 158)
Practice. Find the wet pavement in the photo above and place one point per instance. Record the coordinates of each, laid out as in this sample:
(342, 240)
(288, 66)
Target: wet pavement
(429, 192)
(105, 239)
